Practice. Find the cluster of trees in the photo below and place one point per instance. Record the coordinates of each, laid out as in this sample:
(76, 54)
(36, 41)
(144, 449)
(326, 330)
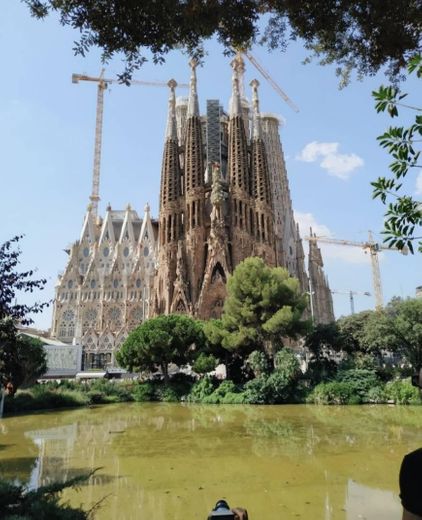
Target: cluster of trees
(263, 312)
(22, 359)
(394, 330)
(263, 306)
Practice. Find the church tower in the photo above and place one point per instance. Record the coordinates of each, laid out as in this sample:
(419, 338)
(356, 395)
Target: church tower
(171, 219)
(224, 197)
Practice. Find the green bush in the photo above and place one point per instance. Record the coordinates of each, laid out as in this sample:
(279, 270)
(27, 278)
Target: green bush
(17, 503)
(167, 394)
(204, 363)
(234, 398)
(144, 392)
(257, 391)
(287, 365)
(43, 400)
(258, 362)
(280, 387)
(202, 389)
(220, 393)
(401, 391)
(361, 380)
(377, 395)
(334, 392)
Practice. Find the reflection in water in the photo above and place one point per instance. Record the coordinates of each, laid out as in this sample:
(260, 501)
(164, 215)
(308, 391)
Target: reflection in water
(161, 461)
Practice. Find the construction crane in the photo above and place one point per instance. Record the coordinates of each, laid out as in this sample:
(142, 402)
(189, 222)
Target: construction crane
(240, 66)
(374, 248)
(102, 86)
(351, 297)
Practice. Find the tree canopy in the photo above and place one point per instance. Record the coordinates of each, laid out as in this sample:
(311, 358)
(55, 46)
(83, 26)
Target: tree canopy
(370, 334)
(364, 35)
(13, 282)
(263, 305)
(22, 359)
(160, 341)
(403, 216)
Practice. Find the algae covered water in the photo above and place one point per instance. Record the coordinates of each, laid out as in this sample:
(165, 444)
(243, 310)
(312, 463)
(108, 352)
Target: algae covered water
(172, 461)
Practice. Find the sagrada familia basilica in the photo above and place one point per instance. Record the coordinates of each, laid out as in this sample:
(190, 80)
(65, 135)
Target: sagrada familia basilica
(224, 196)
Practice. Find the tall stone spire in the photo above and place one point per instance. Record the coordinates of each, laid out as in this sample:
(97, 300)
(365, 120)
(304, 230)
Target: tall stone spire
(264, 220)
(171, 131)
(235, 105)
(256, 127)
(194, 193)
(259, 165)
(238, 151)
(193, 104)
(170, 192)
(170, 172)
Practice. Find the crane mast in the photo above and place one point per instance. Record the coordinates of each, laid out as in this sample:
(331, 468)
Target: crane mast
(95, 193)
(351, 295)
(376, 274)
(102, 86)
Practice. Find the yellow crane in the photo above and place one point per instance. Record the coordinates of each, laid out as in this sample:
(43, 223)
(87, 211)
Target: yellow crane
(352, 294)
(369, 246)
(102, 86)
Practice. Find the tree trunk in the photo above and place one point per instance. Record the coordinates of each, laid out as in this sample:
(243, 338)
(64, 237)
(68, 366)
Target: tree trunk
(3, 395)
(165, 370)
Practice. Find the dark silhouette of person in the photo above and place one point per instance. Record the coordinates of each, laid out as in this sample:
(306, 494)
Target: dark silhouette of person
(410, 480)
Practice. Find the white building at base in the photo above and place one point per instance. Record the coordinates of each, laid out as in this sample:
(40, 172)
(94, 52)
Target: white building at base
(106, 288)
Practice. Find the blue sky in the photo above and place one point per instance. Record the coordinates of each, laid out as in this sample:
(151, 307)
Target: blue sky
(47, 144)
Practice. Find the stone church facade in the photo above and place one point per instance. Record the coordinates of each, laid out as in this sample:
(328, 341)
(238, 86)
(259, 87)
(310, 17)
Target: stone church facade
(224, 196)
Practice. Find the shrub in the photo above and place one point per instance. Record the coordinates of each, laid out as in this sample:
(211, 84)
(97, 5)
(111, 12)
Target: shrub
(44, 399)
(167, 394)
(258, 362)
(334, 392)
(201, 389)
(204, 363)
(287, 365)
(279, 387)
(361, 380)
(377, 395)
(401, 391)
(182, 384)
(257, 391)
(220, 393)
(144, 392)
(17, 503)
(96, 397)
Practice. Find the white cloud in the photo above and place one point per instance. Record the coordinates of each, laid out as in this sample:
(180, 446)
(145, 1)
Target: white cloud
(419, 184)
(348, 254)
(338, 164)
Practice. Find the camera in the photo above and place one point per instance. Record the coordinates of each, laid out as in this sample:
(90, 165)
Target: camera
(417, 378)
(221, 511)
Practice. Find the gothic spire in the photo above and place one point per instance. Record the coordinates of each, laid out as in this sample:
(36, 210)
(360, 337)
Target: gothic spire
(170, 170)
(193, 159)
(193, 105)
(171, 131)
(238, 146)
(256, 128)
(235, 105)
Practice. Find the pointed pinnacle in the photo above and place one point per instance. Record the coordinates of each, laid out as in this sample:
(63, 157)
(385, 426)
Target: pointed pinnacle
(193, 105)
(171, 131)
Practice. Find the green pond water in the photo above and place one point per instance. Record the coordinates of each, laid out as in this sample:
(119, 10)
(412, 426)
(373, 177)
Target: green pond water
(172, 461)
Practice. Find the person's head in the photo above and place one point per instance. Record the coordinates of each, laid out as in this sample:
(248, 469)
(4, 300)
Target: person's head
(410, 487)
